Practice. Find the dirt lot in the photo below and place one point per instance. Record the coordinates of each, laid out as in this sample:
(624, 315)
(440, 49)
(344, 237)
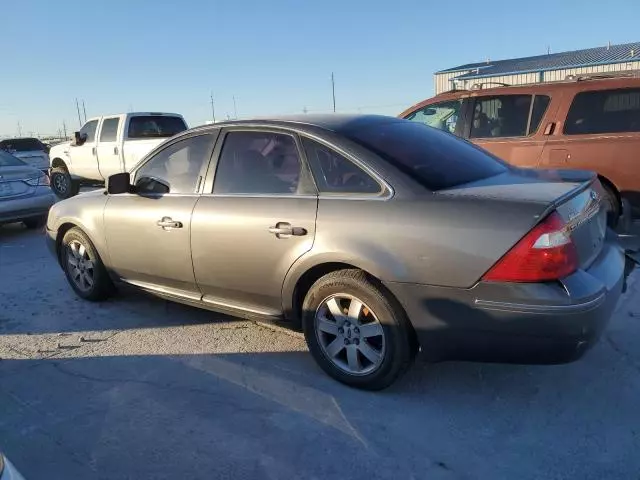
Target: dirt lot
(141, 388)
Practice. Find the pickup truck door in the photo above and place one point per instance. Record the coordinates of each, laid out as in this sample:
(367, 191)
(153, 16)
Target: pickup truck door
(109, 146)
(84, 161)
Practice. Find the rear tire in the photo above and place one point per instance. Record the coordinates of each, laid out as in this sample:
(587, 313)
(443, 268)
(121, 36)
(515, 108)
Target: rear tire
(35, 222)
(62, 184)
(613, 204)
(356, 331)
(83, 267)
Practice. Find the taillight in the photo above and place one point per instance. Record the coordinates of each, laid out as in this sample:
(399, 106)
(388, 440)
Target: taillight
(545, 253)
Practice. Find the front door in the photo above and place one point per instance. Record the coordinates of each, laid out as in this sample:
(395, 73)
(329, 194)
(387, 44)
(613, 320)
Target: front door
(108, 148)
(148, 233)
(84, 161)
(258, 219)
(508, 127)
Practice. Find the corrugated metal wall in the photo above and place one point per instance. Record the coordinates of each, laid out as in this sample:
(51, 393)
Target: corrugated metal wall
(555, 75)
(443, 82)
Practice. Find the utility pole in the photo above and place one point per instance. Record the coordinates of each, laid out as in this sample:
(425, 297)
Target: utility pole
(64, 127)
(213, 109)
(333, 91)
(235, 109)
(78, 109)
(85, 112)
(19, 129)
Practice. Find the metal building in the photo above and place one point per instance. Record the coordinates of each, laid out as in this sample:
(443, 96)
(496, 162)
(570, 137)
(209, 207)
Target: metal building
(541, 68)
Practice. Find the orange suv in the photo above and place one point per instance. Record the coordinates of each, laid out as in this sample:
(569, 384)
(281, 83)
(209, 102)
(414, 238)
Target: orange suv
(590, 123)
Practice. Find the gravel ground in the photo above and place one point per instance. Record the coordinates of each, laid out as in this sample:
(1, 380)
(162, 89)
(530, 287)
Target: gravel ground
(138, 387)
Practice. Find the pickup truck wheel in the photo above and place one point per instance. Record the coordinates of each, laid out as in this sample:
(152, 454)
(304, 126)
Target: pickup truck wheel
(83, 267)
(356, 331)
(62, 184)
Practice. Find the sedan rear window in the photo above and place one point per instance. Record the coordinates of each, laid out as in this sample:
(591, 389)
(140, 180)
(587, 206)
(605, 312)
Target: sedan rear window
(155, 126)
(436, 159)
(22, 145)
(7, 160)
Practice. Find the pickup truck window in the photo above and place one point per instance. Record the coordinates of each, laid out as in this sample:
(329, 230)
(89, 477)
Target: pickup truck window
(109, 131)
(155, 126)
(180, 165)
(90, 129)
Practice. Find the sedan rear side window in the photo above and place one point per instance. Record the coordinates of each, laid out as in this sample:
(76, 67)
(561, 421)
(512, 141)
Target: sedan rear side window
(261, 163)
(334, 174)
(434, 158)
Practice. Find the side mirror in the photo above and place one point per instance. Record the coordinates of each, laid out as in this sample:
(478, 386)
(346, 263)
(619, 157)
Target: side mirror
(151, 186)
(119, 183)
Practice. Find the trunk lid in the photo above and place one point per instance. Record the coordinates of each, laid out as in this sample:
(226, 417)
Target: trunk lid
(576, 196)
(12, 181)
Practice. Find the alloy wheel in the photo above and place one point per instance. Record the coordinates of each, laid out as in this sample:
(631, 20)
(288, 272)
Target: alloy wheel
(61, 183)
(81, 268)
(350, 335)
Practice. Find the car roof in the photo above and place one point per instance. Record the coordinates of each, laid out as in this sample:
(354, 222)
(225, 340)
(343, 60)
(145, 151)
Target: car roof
(335, 122)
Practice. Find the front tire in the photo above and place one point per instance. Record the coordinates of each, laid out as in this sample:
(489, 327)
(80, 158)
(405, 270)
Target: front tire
(613, 204)
(83, 267)
(62, 184)
(356, 331)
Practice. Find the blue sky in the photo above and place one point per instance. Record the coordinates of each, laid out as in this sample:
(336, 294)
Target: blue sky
(274, 56)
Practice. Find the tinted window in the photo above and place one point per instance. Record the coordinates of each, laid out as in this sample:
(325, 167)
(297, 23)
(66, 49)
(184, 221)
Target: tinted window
(604, 111)
(435, 159)
(500, 116)
(333, 173)
(258, 163)
(22, 145)
(109, 130)
(7, 160)
(540, 104)
(180, 165)
(89, 129)
(155, 126)
(443, 116)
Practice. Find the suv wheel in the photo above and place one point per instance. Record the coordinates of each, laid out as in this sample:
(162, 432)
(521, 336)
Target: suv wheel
(83, 267)
(611, 199)
(356, 331)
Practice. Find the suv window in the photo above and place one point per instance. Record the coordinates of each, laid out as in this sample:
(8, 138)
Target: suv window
(258, 163)
(500, 116)
(89, 129)
(155, 126)
(604, 111)
(433, 158)
(333, 173)
(109, 130)
(443, 115)
(180, 165)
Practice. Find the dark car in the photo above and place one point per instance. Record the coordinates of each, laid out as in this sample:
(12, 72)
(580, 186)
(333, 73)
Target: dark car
(381, 236)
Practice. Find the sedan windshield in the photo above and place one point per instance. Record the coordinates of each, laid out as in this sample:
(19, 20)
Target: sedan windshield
(8, 160)
(436, 159)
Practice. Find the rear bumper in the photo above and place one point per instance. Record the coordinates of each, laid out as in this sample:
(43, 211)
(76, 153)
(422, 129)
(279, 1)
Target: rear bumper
(26, 207)
(553, 322)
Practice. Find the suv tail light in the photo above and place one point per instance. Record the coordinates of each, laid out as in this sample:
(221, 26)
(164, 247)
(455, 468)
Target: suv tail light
(545, 253)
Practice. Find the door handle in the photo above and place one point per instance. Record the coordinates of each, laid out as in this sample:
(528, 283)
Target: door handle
(285, 230)
(115, 150)
(168, 222)
(93, 151)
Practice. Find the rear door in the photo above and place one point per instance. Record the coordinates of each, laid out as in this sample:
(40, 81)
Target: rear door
(601, 133)
(256, 218)
(509, 126)
(108, 147)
